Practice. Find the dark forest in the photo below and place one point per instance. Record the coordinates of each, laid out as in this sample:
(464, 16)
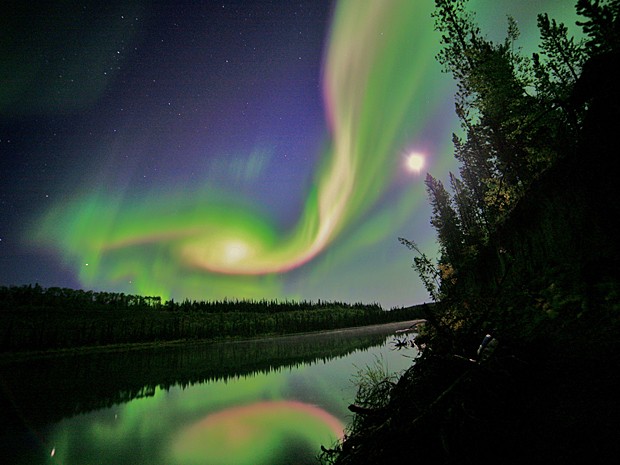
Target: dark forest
(37, 319)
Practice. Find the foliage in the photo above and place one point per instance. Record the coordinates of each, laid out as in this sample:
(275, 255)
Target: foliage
(374, 384)
(427, 270)
(559, 62)
(445, 220)
(602, 25)
(518, 119)
(374, 387)
(528, 254)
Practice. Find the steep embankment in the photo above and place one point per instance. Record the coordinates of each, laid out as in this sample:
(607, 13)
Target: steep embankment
(547, 288)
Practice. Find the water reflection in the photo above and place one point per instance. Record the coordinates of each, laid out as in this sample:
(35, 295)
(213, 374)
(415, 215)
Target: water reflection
(278, 399)
(261, 432)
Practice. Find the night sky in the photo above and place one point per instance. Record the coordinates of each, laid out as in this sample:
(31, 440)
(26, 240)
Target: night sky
(210, 150)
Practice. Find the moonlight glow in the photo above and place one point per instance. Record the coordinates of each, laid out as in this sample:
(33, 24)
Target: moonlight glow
(415, 162)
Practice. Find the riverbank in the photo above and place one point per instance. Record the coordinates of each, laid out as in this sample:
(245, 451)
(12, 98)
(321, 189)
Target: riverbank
(34, 319)
(542, 280)
(44, 390)
(550, 399)
(122, 393)
(384, 328)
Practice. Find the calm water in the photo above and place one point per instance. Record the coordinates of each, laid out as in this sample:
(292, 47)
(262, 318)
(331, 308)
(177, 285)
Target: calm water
(271, 401)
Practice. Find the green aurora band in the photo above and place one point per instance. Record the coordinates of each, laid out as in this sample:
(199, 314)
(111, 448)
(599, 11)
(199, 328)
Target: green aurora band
(254, 434)
(257, 419)
(206, 240)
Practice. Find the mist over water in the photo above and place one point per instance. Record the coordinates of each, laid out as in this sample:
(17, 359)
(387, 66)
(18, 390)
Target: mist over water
(265, 401)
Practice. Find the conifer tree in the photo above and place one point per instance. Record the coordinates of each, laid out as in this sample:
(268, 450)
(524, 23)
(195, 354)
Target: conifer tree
(602, 25)
(493, 106)
(445, 221)
(516, 117)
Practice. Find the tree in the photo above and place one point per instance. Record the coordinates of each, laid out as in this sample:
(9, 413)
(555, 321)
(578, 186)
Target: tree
(494, 108)
(470, 217)
(426, 269)
(513, 109)
(517, 119)
(445, 221)
(558, 65)
(602, 25)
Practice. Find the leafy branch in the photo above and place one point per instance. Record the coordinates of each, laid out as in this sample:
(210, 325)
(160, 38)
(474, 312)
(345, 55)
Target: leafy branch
(427, 270)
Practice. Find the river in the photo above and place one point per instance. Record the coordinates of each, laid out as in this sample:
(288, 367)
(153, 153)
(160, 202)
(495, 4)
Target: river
(267, 401)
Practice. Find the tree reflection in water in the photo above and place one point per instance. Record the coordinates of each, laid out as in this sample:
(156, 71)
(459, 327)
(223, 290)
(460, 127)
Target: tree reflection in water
(54, 408)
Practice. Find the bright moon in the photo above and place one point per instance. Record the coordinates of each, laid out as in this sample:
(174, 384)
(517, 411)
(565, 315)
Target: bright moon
(415, 162)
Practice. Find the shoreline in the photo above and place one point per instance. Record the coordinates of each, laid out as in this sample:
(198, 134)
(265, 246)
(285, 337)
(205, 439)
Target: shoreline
(17, 357)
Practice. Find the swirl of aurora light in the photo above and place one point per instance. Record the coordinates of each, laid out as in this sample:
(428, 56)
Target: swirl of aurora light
(252, 434)
(370, 83)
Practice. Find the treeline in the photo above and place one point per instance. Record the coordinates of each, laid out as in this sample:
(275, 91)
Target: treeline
(35, 318)
(29, 296)
(13, 297)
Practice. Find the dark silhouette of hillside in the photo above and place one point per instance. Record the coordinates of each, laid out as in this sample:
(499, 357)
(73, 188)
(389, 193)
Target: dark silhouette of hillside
(542, 279)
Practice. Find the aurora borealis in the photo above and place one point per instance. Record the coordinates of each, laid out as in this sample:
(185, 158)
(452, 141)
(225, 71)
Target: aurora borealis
(225, 150)
(244, 433)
